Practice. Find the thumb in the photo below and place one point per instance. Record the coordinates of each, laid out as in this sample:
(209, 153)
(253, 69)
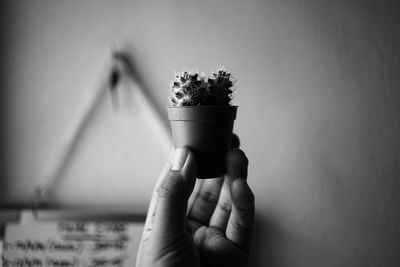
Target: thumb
(173, 194)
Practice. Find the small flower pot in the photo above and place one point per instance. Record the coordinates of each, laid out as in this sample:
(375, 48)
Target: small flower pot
(207, 131)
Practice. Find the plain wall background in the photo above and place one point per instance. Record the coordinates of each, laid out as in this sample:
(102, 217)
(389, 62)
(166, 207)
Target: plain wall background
(319, 111)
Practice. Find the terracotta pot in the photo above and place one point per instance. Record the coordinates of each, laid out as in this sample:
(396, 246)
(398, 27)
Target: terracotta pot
(207, 131)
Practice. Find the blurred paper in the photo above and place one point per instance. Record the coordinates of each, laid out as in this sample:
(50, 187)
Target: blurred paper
(71, 244)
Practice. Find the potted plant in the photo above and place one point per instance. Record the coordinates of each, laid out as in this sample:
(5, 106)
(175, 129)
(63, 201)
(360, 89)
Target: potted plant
(202, 117)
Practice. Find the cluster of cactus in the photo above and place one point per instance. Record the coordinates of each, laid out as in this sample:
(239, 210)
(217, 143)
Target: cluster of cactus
(191, 89)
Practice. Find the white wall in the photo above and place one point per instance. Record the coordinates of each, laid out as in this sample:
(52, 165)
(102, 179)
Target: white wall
(319, 112)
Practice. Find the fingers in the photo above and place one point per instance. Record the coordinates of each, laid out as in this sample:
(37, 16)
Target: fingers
(206, 193)
(235, 142)
(236, 165)
(204, 202)
(241, 220)
(220, 216)
(173, 194)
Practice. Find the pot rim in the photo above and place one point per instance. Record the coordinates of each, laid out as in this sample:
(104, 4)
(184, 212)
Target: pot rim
(201, 107)
(202, 113)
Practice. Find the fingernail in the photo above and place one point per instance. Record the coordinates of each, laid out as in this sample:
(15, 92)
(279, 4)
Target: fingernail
(180, 156)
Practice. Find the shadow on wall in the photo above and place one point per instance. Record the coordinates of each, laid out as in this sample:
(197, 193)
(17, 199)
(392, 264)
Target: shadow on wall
(3, 122)
(273, 244)
(262, 246)
(3, 141)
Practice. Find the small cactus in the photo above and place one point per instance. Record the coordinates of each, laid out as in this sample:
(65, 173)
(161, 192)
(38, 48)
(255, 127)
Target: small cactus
(191, 89)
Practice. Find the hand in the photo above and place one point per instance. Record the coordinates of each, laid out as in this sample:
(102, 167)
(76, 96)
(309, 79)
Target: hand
(212, 228)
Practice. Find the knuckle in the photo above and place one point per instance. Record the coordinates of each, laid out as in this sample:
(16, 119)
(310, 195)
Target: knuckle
(245, 209)
(170, 186)
(208, 196)
(224, 206)
(241, 227)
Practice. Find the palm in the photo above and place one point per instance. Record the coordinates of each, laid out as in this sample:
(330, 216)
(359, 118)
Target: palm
(216, 250)
(213, 226)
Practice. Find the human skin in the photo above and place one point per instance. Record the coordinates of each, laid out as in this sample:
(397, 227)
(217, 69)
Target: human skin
(208, 223)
